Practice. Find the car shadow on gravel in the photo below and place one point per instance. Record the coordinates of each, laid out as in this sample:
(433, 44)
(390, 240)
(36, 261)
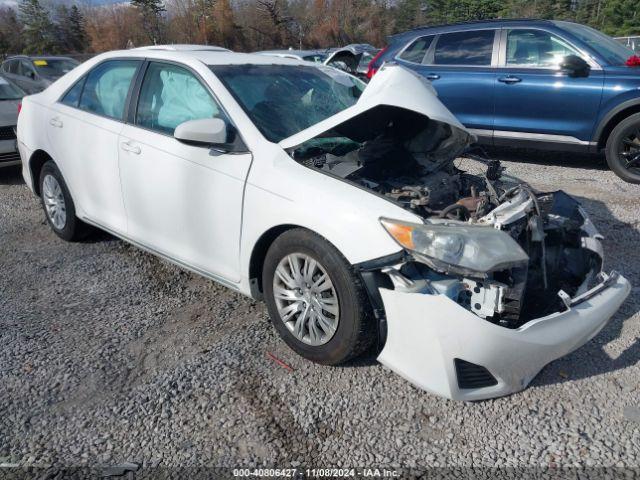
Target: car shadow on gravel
(593, 359)
(587, 161)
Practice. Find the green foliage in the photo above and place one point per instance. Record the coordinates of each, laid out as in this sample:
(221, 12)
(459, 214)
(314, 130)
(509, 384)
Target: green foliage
(259, 24)
(621, 17)
(71, 34)
(38, 30)
(151, 16)
(615, 17)
(11, 40)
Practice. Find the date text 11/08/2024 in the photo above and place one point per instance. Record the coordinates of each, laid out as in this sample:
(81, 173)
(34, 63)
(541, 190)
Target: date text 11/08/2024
(316, 472)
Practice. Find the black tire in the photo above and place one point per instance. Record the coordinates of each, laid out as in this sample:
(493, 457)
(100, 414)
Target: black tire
(355, 331)
(73, 229)
(617, 163)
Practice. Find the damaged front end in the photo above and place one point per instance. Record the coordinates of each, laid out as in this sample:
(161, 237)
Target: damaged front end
(494, 280)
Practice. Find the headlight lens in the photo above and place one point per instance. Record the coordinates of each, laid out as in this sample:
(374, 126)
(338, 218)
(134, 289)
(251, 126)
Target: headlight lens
(457, 249)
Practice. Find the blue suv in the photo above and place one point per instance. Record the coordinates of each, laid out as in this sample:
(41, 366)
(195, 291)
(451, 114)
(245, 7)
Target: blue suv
(536, 83)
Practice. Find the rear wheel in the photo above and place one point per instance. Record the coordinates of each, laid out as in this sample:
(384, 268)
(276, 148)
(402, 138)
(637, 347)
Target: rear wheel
(623, 149)
(315, 300)
(58, 205)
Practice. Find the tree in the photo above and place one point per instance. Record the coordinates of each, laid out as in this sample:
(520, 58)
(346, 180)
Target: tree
(76, 28)
(621, 17)
(11, 40)
(70, 27)
(39, 32)
(410, 14)
(151, 15)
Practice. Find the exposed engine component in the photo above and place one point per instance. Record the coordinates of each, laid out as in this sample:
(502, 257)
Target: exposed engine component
(485, 299)
(448, 192)
(563, 256)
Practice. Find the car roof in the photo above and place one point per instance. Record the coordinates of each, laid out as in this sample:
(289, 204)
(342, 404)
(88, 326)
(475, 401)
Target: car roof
(208, 57)
(292, 52)
(38, 57)
(184, 47)
(473, 25)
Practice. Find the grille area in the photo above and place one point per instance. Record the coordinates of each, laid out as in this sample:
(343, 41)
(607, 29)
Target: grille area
(471, 375)
(9, 157)
(7, 133)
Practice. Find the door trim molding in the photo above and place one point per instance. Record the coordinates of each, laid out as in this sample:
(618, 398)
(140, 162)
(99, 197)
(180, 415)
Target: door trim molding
(537, 137)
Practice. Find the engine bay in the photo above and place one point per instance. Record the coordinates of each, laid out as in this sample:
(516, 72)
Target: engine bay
(564, 254)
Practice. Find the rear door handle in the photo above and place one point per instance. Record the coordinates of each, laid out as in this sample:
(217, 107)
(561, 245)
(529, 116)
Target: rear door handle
(127, 147)
(432, 76)
(55, 122)
(509, 79)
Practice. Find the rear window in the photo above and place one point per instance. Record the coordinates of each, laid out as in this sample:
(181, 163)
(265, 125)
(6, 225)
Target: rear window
(9, 91)
(54, 67)
(417, 50)
(11, 66)
(465, 48)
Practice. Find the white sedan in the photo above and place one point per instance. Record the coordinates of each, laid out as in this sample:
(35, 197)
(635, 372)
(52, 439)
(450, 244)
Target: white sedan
(339, 205)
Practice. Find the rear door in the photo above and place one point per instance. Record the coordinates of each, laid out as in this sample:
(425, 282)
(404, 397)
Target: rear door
(537, 102)
(83, 128)
(460, 67)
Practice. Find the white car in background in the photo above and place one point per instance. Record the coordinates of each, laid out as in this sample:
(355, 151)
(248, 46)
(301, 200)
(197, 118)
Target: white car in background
(340, 205)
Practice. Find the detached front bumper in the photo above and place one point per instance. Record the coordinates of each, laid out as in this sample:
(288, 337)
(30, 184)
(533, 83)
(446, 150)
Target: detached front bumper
(427, 335)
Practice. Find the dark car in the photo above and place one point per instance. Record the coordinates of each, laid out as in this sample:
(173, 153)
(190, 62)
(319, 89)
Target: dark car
(537, 83)
(10, 96)
(34, 74)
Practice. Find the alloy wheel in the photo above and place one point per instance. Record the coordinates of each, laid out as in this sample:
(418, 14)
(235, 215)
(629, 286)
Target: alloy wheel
(629, 150)
(54, 202)
(306, 299)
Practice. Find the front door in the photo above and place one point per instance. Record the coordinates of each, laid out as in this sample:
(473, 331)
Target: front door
(533, 96)
(183, 201)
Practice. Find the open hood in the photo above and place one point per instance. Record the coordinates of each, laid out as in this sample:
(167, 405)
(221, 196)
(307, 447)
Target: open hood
(395, 94)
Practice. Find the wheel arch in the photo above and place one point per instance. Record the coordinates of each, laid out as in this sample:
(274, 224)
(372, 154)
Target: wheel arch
(614, 118)
(36, 162)
(259, 253)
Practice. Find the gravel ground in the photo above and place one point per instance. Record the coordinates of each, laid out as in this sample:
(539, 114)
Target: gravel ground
(109, 355)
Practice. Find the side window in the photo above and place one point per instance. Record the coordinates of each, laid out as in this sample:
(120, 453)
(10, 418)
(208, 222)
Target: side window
(6, 66)
(26, 70)
(106, 88)
(465, 48)
(417, 50)
(536, 48)
(72, 96)
(171, 95)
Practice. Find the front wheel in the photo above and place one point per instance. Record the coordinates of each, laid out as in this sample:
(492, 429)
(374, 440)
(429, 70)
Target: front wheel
(623, 149)
(315, 300)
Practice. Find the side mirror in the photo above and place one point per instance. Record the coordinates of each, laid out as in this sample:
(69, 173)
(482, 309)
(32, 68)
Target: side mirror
(205, 132)
(574, 66)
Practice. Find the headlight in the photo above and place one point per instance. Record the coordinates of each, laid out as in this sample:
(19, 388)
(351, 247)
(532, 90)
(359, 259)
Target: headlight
(457, 249)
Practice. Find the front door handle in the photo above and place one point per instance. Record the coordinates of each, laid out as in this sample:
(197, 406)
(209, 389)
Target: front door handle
(55, 122)
(509, 79)
(432, 76)
(127, 147)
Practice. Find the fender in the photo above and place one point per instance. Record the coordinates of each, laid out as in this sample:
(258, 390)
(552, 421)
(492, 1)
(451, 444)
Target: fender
(610, 115)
